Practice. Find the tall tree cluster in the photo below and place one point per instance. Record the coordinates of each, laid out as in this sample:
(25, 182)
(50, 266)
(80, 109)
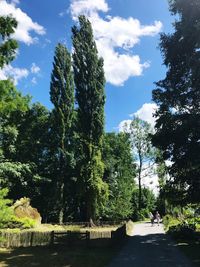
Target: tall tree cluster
(178, 97)
(62, 159)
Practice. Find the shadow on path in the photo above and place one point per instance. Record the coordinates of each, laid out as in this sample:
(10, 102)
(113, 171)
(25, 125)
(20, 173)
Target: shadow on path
(146, 250)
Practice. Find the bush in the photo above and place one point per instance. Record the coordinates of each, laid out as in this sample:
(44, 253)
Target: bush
(7, 217)
(138, 216)
(6, 212)
(21, 223)
(169, 221)
(182, 230)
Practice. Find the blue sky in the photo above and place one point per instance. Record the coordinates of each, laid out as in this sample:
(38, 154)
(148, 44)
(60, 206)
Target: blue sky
(127, 36)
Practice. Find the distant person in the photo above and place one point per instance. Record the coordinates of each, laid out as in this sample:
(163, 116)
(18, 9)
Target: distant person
(157, 216)
(151, 218)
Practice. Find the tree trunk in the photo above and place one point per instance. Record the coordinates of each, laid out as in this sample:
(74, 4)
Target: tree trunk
(139, 184)
(61, 210)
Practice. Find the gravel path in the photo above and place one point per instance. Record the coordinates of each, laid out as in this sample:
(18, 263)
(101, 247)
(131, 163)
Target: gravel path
(150, 247)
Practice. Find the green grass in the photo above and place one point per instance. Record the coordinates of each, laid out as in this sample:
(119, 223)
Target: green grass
(61, 256)
(51, 227)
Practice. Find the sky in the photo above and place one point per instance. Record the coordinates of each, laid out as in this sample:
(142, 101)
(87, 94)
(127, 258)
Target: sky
(127, 37)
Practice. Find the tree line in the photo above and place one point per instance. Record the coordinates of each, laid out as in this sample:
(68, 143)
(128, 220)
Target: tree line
(63, 159)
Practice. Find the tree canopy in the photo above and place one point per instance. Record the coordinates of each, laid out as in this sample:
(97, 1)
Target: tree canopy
(178, 97)
(8, 46)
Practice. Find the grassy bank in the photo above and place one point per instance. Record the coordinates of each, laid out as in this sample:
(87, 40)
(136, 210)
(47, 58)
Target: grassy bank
(61, 256)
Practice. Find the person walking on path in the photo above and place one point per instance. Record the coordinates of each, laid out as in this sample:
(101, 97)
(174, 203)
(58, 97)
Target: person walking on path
(157, 217)
(151, 218)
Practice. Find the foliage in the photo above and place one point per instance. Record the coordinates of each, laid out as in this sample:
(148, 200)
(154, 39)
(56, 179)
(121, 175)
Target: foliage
(90, 97)
(62, 97)
(7, 218)
(178, 97)
(169, 221)
(148, 204)
(119, 174)
(8, 46)
(5, 211)
(143, 151)
(11, 100)
(183, 230)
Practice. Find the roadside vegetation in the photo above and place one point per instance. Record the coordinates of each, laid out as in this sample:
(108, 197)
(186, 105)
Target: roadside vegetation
(71, 170)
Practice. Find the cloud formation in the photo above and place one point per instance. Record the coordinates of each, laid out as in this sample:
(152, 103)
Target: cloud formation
(34, 68)
(15, 74)
(87, 7)
(112, 34)
(26, 27)
(144, 113)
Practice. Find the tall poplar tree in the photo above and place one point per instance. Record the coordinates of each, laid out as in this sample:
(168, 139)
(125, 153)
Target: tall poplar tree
(62, 97)
(178, 97)
(89, 80)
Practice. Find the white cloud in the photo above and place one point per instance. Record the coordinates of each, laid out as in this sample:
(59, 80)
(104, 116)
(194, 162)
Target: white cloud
(25, 27)
(34, 80)
(15, 74)
(112, 33)
(124, 126)
(34, 68)
(87, 7)
(146, 113)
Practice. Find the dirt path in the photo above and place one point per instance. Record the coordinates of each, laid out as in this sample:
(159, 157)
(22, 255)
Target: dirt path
(150, 247)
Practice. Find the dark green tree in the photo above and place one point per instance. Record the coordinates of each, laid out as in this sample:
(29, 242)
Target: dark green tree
(15, 173)
(62, 97)
(119, 174)
(8, 45)
(178, 97)
(90, 98)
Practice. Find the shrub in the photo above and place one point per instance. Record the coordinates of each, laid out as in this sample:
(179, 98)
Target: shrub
(138, 216)
(170, 221)
(7, 217)
(182, 230)
(6, 212)
(21, 223)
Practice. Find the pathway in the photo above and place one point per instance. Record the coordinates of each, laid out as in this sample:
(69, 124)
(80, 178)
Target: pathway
(150, 247)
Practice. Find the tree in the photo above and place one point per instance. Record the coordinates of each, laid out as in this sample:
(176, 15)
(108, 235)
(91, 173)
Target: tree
(143, 151)
(62, 97)
(8, 45)
(178, 97)
(17, 172)
(33, 135)
(119, 174)
(90, 98)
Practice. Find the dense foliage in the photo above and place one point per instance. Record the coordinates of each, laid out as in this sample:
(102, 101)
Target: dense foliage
(61, 158)
(178, 98)
(8, 45)
(62, 97)
(90, 97)
(119, 174)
